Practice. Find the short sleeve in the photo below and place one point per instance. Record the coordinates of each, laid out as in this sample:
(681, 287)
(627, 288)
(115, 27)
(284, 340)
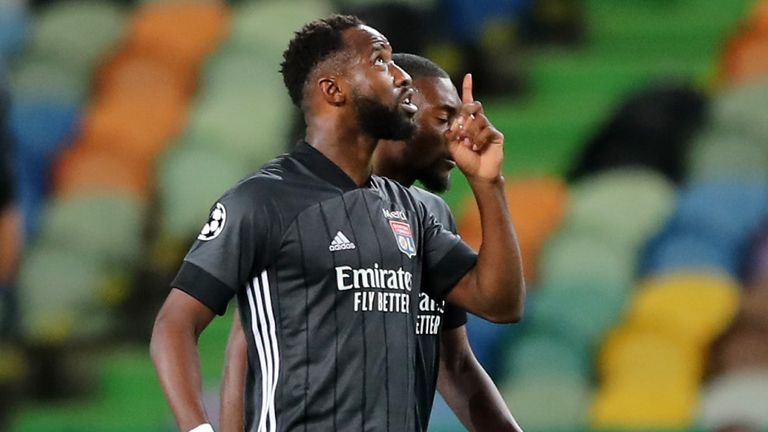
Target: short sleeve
(446, 257)
(232, 244)
(454, 317)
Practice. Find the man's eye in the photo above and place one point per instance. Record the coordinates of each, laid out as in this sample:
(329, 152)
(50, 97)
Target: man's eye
(442, 120)
(379, 60)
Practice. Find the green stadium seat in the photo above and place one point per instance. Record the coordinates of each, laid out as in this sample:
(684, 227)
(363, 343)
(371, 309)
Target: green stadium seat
(626, 205)
(106, 227)
(737, 397)
(579, 313)
(588, 258)
(185, 195)
(541, 355)
(236, 114)
(267, 26)
(35, 77)
(722, 153)
(742, 109)
(60, 294)
(77, 33)
(549, 402)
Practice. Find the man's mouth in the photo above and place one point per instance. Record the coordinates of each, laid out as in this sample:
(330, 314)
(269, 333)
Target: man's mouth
(406, 104)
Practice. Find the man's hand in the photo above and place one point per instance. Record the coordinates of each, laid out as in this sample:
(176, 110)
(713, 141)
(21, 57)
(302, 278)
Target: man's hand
(476, 146)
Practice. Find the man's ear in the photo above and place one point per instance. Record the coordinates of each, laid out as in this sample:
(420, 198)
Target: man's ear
(331, 91)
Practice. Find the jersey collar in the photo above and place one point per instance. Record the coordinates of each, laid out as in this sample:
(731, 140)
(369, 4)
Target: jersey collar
(323, 167)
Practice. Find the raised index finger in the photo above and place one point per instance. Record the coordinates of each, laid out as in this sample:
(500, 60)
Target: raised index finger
(466, 89)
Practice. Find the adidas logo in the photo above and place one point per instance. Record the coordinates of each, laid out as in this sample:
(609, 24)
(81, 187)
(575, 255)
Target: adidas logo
(340, 242)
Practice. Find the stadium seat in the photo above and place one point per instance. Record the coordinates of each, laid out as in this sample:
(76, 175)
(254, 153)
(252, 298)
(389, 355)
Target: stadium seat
(241, 125)
(41, 131)
(60, 296)
(81, 171)
(39, 79)
(539, 354)
(627, 205)
(634, 356)
(180, 34)
(40, 127)
(676, 250)
(587, 257)
(579, 313)
(549, 402)
(694, 308)
(643, 406)
(745, 53)
(130, 76)
(14, 22)
(735, 397)
(649, 381)
(77, 33)
(133, 128)
(740, 109)
(537, 205)
(727, 211)
(186, 196)
(727, 154)
(266, 27)
(486, 340)
(105, 228)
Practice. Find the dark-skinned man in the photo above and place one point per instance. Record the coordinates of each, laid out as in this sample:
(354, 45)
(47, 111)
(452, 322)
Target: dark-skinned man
(327, 261)
(442, 335)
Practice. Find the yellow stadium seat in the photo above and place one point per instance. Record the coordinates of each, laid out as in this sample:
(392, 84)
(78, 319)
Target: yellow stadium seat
(693, 308)
(643, 407)
(631, 356)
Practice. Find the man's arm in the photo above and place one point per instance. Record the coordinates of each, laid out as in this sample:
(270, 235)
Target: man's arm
(233, 382)
(468, 389)
(495, 288)
(178, 326)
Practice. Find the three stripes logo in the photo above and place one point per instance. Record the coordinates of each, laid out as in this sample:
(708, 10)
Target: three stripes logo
(340, 242)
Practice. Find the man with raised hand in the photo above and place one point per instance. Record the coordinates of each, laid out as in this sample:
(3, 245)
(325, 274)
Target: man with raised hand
(328, 261)
(440, 326)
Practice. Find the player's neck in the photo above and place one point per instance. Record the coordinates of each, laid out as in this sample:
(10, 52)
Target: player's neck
(398, 175)
(344, 145)
(389, 161)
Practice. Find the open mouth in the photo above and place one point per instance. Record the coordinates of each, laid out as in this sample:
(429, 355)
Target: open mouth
(406, 104)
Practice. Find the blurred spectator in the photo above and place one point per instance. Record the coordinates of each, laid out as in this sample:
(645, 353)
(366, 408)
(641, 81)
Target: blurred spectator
(9, 221)
(407, 24)
(556, 21)
(651, 129)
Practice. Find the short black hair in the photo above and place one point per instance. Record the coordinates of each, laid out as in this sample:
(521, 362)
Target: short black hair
(418, 66)
(315, 42)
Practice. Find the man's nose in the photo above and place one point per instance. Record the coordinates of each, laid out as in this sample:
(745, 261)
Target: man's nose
(402, 79)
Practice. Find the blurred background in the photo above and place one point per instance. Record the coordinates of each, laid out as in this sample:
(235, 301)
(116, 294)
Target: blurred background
(637, 176)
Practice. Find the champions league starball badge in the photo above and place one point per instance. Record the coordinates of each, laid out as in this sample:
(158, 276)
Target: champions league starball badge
(215, 224)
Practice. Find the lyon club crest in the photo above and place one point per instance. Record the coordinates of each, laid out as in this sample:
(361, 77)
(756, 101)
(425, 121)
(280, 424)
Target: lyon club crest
(403, 237)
